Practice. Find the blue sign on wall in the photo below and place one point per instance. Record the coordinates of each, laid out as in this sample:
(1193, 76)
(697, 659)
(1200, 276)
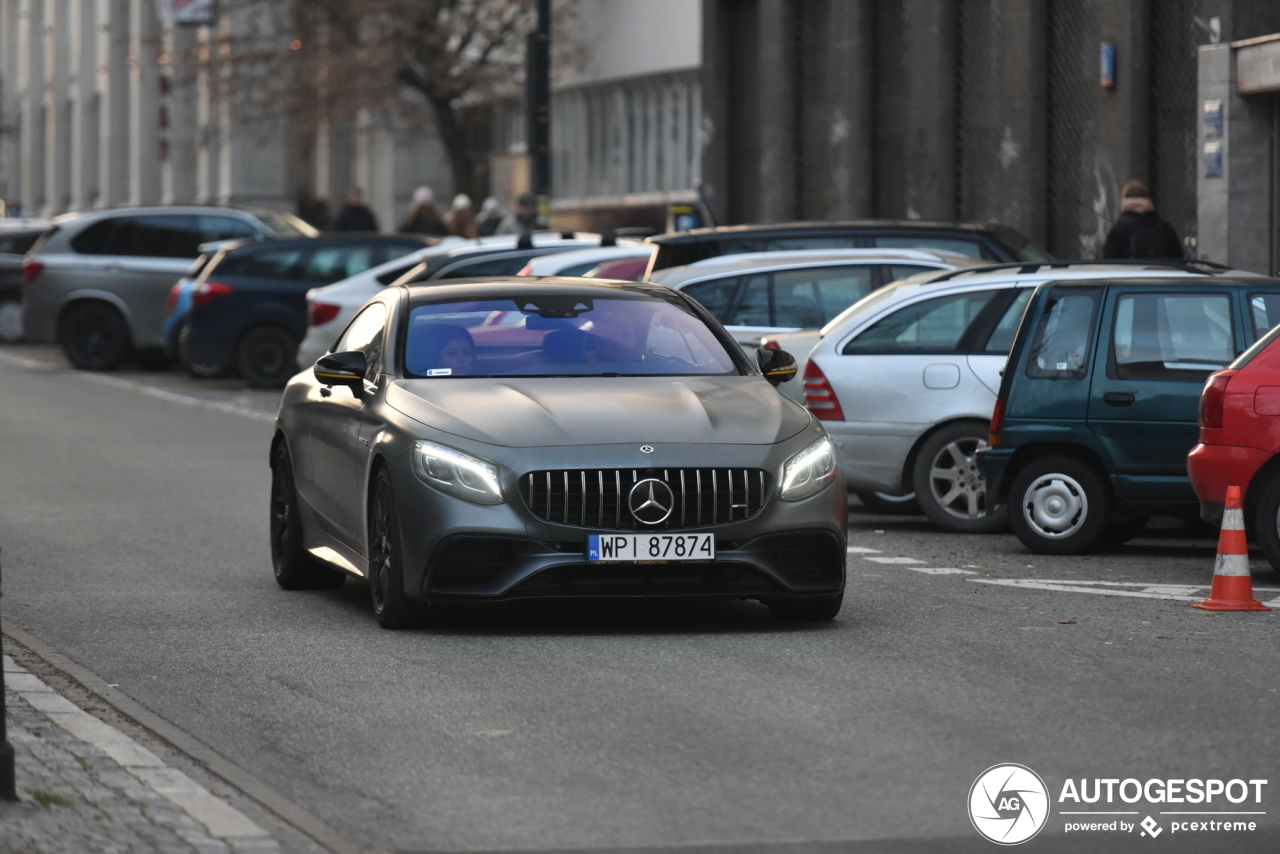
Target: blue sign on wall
(1107, 66)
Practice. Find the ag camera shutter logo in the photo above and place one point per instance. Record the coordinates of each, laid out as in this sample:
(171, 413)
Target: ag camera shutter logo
(1008, 804)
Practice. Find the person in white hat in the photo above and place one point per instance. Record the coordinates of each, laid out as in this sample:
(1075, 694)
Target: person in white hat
(461, 219)
(422, 217)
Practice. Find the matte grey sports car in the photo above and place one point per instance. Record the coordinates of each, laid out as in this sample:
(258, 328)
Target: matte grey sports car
(492, 440)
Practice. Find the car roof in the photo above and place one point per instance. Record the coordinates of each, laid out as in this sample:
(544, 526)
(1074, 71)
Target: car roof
(126, 210)
(793, 258)
(250, 244)
(625, 249)
(1176, 281)
(723, 231)
(482, 288)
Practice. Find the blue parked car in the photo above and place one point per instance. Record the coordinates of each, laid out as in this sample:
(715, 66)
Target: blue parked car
(248, 305)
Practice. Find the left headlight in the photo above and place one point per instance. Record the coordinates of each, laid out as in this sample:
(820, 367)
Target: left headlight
(809, 471)
(456, 473)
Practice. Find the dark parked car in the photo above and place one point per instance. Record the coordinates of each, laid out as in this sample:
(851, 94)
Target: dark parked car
(249, 303)
(1097, 406)
(14, 243)
(550, 438)
(990, 241)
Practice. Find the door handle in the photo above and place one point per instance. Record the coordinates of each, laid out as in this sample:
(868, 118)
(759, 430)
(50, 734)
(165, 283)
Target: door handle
(1118, 398)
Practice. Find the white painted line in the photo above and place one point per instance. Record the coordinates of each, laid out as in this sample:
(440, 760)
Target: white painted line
(223, 820)
(940, 570)
(862, 550)
(1134, 590)
(174, 397)
(20, 361)
(895, 560)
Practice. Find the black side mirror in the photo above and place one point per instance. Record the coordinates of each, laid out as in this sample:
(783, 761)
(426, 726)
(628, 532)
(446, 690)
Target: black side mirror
(346, 368)
(778, 366)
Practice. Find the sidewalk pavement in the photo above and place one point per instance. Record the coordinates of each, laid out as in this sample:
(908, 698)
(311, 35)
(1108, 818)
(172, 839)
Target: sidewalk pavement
(84, 786)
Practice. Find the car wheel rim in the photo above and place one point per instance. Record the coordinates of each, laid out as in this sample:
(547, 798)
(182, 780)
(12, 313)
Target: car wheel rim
(281, 513)
(1055, 506)
(380, 545)
(10, 320)
(956, 482)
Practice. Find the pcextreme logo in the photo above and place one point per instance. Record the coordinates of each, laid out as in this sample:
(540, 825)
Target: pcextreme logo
(1008, 804)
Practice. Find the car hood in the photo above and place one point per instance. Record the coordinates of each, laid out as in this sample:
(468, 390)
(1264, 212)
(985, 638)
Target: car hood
(541, 412)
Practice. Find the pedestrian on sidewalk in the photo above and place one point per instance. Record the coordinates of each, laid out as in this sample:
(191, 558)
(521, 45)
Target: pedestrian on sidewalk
(461, 219)
(1139, 232)
(491, 215)
(355, 214)
(422, 217)
(524, 219)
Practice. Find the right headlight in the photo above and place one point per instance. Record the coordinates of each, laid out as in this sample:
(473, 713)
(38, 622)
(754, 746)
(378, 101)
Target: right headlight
(809, 471)
(457, 473)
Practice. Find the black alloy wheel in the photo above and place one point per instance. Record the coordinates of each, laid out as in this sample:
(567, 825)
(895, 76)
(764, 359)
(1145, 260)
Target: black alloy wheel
(266, 356)
(392, 607)
(294, 568)
(94, 336)
(806, 609)
(949, 486)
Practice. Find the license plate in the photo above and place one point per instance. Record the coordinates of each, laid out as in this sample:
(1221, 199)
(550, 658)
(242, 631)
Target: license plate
(650, 548)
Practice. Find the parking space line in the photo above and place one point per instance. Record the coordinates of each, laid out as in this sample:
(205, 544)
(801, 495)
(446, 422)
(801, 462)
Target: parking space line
(1172, 592)
(897, 560)
(862, 550)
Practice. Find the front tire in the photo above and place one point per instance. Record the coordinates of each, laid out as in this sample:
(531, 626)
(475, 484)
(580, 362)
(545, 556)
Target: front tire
(267, 356)
(949, 486)
(392, 607)
(94, 336)
(1059, 506)
(294, 568)
(806, 609)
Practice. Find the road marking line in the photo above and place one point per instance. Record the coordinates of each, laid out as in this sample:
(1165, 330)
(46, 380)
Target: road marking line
(223, 820)
(20, 361)
(940, 570)
(1174, 592)
(174, 397)
(894, 560)
(862, 550)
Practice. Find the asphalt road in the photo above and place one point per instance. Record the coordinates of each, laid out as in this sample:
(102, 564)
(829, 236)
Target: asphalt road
(133, 523)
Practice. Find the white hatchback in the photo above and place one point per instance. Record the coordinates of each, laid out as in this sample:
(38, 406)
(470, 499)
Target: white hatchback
(906, 379)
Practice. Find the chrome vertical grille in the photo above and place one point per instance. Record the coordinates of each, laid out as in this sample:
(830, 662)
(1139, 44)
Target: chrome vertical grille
(597, 498)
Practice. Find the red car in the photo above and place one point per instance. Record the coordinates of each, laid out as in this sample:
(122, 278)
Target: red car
(1240, 442)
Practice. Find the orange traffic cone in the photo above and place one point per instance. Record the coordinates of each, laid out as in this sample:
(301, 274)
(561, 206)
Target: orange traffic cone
(1232, 586)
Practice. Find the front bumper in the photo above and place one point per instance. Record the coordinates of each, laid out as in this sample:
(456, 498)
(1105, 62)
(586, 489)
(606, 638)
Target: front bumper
(453, 549)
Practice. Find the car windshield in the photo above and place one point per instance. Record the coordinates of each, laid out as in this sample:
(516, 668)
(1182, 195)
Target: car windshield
(556, 334)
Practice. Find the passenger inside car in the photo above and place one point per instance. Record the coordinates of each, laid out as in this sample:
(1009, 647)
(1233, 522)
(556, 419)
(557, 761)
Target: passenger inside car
(444, 350)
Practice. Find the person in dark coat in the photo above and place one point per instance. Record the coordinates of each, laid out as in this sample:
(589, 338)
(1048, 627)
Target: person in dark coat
(355, 214)
(1140, 232)
(422, 217)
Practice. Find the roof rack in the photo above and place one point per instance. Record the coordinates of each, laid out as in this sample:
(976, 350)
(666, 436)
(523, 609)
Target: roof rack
(1027, 267)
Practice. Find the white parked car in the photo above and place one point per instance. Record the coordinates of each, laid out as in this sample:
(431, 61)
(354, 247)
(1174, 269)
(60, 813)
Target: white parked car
(331, 307)
(765, 293)
(579, 261)
(906, 379)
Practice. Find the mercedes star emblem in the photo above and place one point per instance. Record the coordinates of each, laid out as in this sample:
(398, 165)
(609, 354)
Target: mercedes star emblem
(646, 449)
(651, 502)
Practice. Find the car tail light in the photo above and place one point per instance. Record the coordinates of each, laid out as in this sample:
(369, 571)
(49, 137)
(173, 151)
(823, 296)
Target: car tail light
(1213, 397)
(207, 292)
(770, 344)
(31, 268)
(819, 397)
(527, 270)
(173, 298)
(997, 423)
(320, 313)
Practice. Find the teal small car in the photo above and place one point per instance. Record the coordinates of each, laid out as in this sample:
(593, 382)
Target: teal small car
(1098, 402)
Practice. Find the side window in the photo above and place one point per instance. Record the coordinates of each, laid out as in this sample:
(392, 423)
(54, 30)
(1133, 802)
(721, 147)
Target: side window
(364, 333)
(894, 272)
(1172, 336)
(395, 273)
(716, 295)
(507, 266)
(164, 236)
(810, 297)
(753, 304)
(108, 237)
(335, 263)
(1064, 333)
(268, 264)
(1001, 338)
(930, 326)
(224, 228)
(1264, 309)
(958, 245)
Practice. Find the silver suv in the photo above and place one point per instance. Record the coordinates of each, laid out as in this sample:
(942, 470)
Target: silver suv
(97, 283)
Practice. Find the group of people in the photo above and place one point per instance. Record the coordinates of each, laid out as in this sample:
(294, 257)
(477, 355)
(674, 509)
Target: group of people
(460, 220)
